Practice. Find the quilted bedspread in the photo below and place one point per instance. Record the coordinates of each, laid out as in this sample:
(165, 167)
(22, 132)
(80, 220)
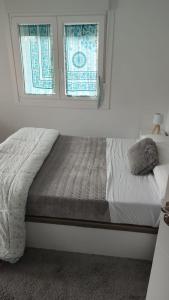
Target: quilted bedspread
(21, 157)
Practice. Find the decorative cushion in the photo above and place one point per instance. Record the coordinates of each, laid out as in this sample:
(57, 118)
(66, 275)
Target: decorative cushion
(143, 157)
(162, 142)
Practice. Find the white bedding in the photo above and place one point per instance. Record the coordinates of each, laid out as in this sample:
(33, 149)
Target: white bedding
(21, 156)
(132, 199)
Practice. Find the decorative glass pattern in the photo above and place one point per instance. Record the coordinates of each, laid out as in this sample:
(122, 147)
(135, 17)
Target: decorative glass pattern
(37, 59)
(81, 59)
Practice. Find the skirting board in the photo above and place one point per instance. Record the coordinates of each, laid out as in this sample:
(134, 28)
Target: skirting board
(91, 240)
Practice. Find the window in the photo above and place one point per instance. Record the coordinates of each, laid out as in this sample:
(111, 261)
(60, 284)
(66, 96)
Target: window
(81, 44)
(59, 60)
(37, 59)
(81, 59)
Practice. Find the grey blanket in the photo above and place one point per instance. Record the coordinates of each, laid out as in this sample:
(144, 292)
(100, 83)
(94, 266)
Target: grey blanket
(72, 181)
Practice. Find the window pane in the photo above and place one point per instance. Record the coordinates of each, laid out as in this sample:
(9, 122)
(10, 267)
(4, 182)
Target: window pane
(37, 59)
(81, 59)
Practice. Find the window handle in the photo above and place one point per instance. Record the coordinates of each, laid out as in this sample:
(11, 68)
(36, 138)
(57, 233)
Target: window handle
(100, 90)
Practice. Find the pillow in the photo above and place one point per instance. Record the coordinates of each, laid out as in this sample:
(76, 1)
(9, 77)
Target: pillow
(162, 143)
(143, 157)
(161, 174)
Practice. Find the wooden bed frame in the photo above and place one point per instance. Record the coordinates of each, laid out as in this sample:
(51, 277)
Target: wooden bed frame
(119, 240)
(93, 224)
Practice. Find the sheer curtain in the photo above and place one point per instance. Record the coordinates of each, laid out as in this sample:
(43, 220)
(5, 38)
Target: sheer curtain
(37, 58)
(81, 59)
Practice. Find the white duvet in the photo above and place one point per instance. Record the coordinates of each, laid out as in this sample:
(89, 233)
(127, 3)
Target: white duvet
(132, 199)
(21, 156)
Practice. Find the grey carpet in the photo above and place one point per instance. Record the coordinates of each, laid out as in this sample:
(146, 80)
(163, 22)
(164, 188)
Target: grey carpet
(51, 275)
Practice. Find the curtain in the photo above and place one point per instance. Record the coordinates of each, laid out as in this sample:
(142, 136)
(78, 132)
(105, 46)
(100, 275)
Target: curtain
(37, 58)
(81, 59)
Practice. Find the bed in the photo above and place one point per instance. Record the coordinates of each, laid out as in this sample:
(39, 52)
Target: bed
(87, 181)
(68, 184)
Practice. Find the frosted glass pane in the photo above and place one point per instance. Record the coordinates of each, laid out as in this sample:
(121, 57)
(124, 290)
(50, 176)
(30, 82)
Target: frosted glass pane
(37, 59)
(81, 59)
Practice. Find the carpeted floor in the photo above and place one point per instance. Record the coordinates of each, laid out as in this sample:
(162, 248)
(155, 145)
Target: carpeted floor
(52, 275)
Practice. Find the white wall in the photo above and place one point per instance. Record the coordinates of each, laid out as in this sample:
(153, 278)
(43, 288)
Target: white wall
(140, 74)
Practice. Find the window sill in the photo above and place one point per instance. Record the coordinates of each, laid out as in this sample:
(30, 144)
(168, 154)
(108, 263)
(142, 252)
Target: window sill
(53, 102)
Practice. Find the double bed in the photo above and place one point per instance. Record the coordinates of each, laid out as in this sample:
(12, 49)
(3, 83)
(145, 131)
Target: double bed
(87, 181)
(61, 184)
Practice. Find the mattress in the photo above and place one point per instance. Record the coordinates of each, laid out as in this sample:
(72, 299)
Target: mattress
(89, 179)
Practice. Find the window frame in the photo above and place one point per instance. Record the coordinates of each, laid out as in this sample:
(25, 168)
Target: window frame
(56, 22)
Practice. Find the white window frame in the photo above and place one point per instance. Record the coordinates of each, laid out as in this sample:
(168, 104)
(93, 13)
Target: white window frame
(57, 24)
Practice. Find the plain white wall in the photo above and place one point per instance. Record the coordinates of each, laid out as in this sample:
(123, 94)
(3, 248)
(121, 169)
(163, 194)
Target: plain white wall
(140, 71)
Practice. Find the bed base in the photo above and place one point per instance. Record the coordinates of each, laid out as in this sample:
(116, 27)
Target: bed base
(137, 242)
(93, 224)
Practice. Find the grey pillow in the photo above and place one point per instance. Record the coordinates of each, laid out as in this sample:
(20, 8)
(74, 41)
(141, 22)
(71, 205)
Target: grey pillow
(143, 157)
